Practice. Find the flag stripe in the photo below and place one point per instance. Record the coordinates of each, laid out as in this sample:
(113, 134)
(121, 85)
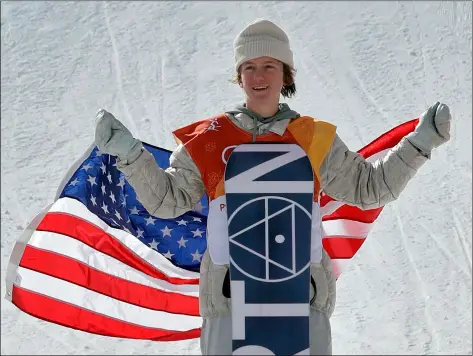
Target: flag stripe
(141, 252)
(339, 265)
(341, 247)
(74, 249)
(98, 239)
(389, 139)
(69, 270)
(84, 298)
(344, 227)
(347, 212)
(63, 313)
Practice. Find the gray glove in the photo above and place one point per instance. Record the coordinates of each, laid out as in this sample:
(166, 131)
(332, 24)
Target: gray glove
(112, 137)
(433, 128)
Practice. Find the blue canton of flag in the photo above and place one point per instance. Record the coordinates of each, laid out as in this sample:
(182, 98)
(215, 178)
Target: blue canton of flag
(100, 186)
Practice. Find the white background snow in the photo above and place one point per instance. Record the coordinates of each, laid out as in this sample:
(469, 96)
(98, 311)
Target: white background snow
(364, 66)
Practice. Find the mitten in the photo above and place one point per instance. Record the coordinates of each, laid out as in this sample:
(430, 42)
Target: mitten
(112, 137)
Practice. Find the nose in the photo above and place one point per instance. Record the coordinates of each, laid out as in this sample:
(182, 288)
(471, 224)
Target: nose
(259, 74)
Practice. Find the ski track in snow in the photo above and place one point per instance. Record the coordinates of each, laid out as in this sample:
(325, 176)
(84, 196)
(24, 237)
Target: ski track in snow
(365, 66)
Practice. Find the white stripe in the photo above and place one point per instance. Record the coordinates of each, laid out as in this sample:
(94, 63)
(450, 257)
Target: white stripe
(275, 309)
(102, 304)
(375, 156)
(76, 208)
(340, 266)
(72, 248)
(268, 147)
(273, 187)
(343, 227)
(330, 207)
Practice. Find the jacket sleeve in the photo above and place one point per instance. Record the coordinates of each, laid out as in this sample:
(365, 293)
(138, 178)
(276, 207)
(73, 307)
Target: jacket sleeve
(165, 193)
(347, 177)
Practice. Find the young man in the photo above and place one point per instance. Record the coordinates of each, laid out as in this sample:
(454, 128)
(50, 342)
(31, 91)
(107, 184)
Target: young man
(264, 70)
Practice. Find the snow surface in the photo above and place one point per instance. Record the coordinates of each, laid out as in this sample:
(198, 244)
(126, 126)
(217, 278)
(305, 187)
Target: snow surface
(364, 66)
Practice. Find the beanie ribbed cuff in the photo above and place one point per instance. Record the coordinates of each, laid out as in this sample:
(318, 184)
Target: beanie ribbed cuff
(263, 48)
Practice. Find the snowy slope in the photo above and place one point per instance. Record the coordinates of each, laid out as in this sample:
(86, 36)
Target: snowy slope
(365, 66)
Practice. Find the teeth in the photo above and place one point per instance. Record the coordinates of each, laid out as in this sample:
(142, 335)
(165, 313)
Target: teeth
(260, 87)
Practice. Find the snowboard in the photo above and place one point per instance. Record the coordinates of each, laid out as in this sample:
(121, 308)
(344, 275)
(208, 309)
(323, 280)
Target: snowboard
(269, 195)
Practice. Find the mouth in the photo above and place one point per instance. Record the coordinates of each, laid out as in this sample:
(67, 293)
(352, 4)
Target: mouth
(260, 87)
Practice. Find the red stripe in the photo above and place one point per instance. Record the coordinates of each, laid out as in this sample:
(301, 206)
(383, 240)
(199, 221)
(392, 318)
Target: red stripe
(389, 139)
(96, 238)
(342, 247)
(325, 199)
(68, 315)
(353, 213)
(68, 269)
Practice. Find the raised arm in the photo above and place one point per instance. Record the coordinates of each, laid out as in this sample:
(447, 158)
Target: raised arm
(164, 193)
(348, 177)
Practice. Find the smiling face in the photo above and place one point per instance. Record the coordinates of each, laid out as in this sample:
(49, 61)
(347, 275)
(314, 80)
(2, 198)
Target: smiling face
(262, 81)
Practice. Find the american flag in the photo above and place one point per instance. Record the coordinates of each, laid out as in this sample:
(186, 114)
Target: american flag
(95, 260)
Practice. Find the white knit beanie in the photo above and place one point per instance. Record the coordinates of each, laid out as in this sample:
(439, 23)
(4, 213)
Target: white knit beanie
(259, 39)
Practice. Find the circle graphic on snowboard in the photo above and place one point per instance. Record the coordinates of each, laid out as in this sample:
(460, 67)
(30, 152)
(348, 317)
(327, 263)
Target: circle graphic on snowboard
(270, 238)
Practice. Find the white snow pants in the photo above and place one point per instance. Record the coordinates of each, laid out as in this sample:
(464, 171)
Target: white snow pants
(216, 335)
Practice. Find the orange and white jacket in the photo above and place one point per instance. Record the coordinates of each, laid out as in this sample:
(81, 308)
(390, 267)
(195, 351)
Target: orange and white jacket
(197, 166)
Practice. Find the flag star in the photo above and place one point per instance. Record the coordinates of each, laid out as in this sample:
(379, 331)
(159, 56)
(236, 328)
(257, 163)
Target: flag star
(103, 189)
(168, 255)
(124, 199)
(91, 180)
(87, 167)
(197, 219)
(109, 176)
(197, 232)
(150, 220)
(92, 199)
(134, 211)
(104, 208)
(126, 229)
(199, 207)
(166, 231)
(113, 222)
(196, 256)
(103, 167)
(128, 221)
(122, 183)
(74, 182)
(182, 242)
(140, 232)
(115, 164)
(154, 244)
(112, 196)
(182, 222)
(117, 214)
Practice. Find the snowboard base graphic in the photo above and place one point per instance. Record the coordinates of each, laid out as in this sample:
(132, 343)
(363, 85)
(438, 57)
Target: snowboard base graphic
(269, 196)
